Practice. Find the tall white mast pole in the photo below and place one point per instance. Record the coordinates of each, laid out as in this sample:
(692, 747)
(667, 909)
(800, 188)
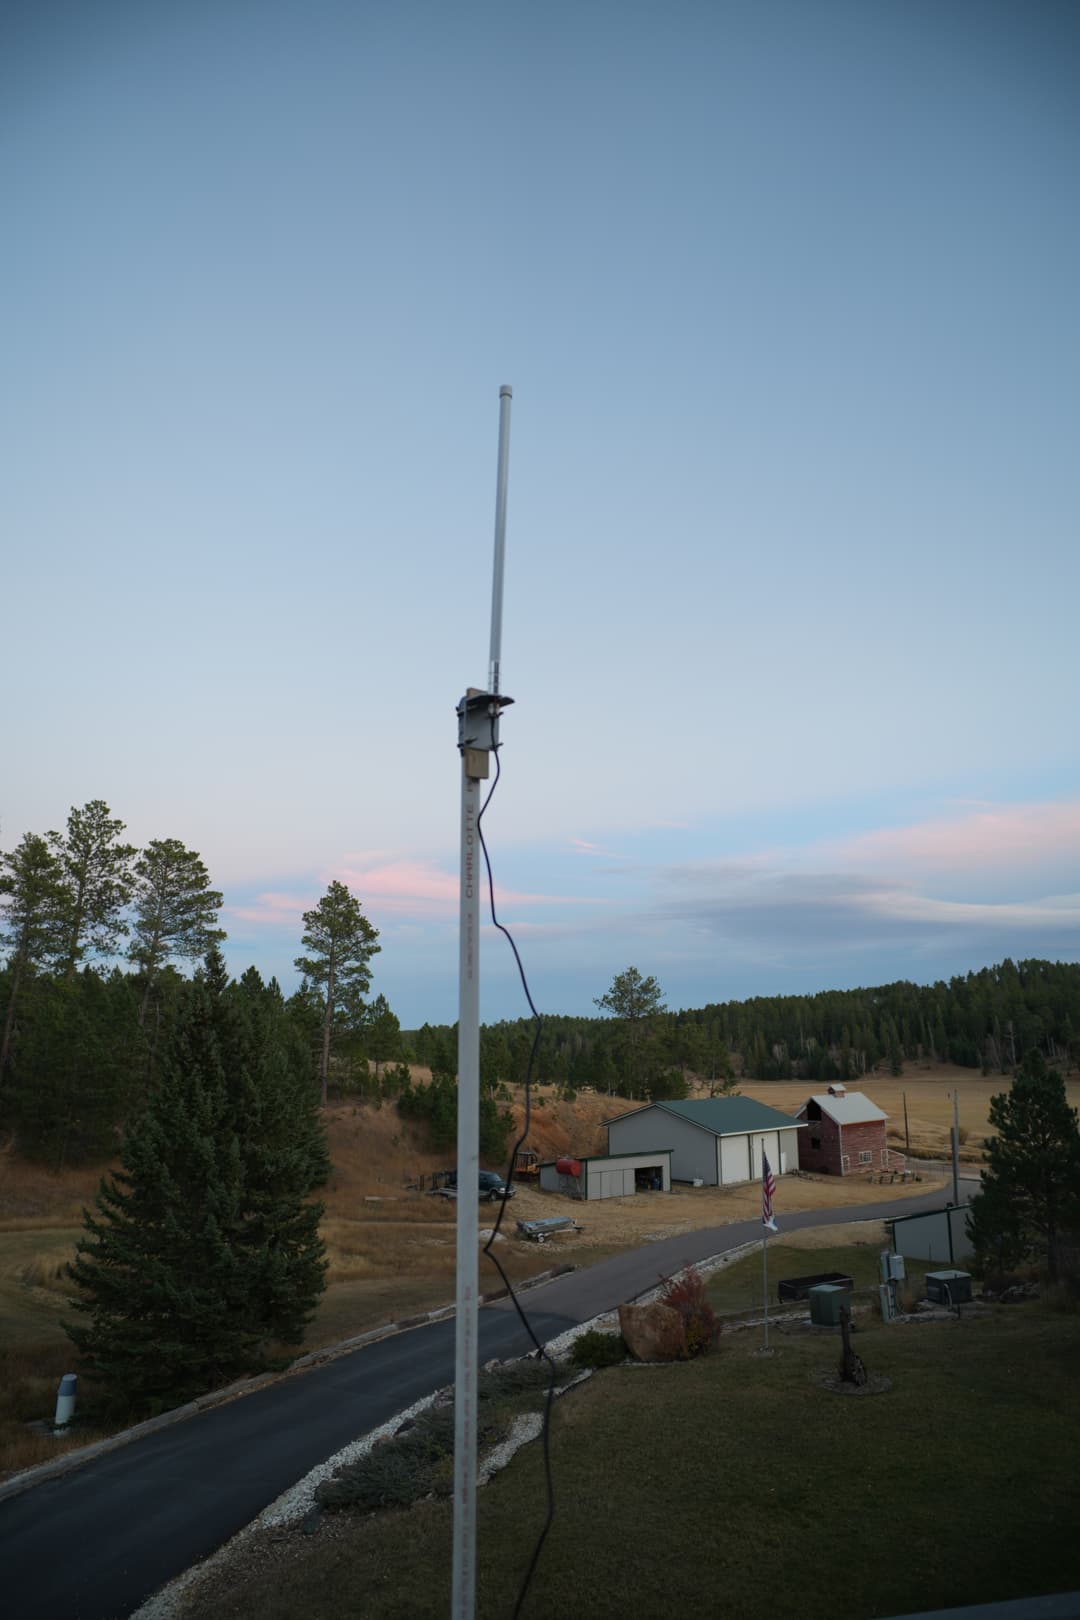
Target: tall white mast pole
(505, 396)
(478, 734)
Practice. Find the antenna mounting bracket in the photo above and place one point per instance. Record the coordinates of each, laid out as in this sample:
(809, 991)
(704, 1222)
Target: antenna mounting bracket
(478, 728)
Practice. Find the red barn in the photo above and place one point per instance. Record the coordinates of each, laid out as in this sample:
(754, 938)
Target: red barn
(845, 1133)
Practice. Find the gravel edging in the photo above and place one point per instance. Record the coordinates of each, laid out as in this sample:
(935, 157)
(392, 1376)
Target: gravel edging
(297, 1503)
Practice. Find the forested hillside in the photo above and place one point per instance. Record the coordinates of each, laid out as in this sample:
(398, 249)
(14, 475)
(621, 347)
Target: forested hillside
(985, 1020)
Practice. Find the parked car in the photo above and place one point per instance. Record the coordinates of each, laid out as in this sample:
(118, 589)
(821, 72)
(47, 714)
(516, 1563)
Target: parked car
(492, 1187)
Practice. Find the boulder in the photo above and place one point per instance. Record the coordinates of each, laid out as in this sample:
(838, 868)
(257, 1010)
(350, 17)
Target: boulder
(653, 1332)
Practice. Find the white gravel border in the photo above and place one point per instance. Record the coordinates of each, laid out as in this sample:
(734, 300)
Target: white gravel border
(295, 1504)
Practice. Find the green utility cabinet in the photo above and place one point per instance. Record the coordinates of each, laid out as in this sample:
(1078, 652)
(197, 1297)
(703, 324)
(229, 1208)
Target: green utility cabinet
(827, 1300)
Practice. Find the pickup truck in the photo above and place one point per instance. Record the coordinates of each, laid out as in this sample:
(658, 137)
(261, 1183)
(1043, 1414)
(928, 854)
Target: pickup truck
(492, 1187)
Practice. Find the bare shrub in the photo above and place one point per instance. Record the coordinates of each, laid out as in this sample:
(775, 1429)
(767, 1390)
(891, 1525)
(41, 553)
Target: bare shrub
(686, 1294)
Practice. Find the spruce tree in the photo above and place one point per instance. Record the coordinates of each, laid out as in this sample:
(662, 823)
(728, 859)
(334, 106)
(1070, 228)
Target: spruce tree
(204, 1249)
(1029, 1195)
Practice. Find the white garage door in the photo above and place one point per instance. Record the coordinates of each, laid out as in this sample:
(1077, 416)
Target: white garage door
(734, 1160)
(767, 1142)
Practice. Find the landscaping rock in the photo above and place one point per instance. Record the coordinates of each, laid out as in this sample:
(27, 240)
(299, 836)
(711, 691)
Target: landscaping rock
(653, 1332)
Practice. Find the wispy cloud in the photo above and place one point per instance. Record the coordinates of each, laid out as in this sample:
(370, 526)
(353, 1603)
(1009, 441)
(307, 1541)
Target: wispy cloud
(582, 846)
(988, 837)
(423, 888)
(273, 909)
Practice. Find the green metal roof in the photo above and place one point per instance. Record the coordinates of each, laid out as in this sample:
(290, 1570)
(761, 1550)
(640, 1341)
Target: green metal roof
(595, 1158)
(725, 1116)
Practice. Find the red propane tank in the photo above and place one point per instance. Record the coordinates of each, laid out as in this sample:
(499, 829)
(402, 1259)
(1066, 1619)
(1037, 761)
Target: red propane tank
(568, 1167)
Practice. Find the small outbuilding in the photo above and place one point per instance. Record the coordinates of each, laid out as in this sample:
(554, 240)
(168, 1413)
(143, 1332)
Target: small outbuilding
(845, 1133)
(718, 1141)
(616, 1175)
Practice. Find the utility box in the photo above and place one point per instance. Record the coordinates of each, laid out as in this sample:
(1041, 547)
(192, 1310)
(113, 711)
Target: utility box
(948, 1287)
(892, 1267)
(827, 1300)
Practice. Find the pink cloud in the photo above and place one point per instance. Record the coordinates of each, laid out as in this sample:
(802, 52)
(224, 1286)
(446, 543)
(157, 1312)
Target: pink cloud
(283, 909)
(990, 837)
(420, 888)
(581, 846)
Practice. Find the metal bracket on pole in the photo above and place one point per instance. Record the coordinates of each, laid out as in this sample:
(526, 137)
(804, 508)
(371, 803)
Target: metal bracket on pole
(478, 729)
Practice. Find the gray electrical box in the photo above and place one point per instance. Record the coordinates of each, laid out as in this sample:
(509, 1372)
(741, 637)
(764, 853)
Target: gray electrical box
(892, 1267)
(948, 1287)
(827, 1300)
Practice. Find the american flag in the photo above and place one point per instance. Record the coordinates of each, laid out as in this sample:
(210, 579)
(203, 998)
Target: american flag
(768, 1187)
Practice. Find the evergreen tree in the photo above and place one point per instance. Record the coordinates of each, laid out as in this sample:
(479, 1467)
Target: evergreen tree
(382, 1035)
(1029, 1195)
(175, 910)
(96, 874)
(637, 1003)
(77, 1066)
(204, 1249)
(340, 943)
(33, 899)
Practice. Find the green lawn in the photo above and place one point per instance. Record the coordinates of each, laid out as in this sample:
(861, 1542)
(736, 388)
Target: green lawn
(738, 1288)
(738, 1486)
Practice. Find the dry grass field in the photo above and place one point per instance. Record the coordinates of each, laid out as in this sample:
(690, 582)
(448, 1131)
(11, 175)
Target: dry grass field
(929, 1094)
(391, 1251)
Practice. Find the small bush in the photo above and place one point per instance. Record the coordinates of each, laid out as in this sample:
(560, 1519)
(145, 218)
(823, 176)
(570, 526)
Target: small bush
(512, 1378)
(418, 1461)
(686, 1295)
(596, 1349)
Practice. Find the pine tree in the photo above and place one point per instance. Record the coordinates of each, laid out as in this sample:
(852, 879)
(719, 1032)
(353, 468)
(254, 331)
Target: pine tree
(96, 874)
(637, 1003)
(340, 942)
(1029, 1194)
(175, 910)
(77, 1066)
(382, 1035)
(33, 898)
(204, 1249)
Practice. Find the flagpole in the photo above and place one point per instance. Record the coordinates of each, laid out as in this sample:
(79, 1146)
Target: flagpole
(768, 1187)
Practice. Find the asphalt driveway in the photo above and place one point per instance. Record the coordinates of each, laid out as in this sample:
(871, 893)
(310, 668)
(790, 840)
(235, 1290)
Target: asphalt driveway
(94, 1543)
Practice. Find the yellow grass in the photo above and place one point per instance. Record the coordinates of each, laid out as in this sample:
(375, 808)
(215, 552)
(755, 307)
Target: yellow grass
(391, 1252)
(929, 1103)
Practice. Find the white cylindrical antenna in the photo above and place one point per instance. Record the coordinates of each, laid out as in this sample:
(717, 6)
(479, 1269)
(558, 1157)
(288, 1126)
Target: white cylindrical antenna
(506, 394)
(478, 719)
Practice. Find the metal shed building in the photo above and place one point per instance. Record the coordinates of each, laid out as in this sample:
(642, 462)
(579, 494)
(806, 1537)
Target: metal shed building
(717, 1140)
(616, 1175)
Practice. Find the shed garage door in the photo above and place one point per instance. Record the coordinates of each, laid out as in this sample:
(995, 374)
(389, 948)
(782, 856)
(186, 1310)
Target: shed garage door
(614, 1184)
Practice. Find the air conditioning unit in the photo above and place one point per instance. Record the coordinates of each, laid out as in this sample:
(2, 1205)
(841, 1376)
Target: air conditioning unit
(948, 1287)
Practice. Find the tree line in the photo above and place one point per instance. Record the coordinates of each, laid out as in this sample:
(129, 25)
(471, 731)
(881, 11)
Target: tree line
(97, 935)
(983, 1020)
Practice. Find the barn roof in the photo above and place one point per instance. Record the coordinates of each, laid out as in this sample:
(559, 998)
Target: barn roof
(723, 1116)
(855, 1108)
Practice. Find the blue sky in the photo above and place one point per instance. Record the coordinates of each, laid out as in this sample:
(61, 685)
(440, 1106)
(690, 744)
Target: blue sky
(787, 297)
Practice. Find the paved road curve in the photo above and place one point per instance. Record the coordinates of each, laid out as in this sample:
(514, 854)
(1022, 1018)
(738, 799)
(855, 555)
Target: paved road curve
(95, 1543)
